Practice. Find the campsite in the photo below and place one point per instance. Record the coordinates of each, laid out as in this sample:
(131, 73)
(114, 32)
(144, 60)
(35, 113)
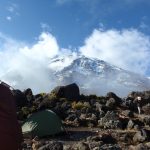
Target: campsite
(69, 121)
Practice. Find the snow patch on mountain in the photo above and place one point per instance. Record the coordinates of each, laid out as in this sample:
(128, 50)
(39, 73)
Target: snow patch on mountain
(60, 62)
(96, 76)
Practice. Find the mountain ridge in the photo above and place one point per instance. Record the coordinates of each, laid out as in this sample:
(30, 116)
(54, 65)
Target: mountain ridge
(88, 72)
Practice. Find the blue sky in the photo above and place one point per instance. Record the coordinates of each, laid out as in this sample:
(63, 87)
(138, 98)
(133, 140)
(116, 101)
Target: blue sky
(71, 21)
(34, 31)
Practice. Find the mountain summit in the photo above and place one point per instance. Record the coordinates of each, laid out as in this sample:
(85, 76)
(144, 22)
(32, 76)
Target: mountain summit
(96, 76)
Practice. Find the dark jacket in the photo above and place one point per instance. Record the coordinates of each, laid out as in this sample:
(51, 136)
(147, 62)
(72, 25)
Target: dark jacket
(10, 131)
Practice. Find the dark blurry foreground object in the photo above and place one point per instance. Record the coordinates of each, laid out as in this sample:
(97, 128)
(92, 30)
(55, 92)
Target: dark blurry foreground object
(10, 131)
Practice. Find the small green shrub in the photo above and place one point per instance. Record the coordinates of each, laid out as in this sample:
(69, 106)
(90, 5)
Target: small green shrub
(33, 109)
(25, 111)
(43, 94)
(87, 104)
(80, 105)
(52, 96)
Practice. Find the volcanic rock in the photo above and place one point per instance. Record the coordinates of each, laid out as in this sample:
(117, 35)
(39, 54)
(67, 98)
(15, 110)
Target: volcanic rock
(70, 92)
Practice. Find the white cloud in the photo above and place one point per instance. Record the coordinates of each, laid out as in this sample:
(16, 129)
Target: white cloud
(12, 7)
(143, 26)
(128, 49)
(45, 27)
(23, 65)
(9, 18)
(26, 65)
(13, 11)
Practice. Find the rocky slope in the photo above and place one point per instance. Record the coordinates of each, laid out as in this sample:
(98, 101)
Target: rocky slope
(92, 123)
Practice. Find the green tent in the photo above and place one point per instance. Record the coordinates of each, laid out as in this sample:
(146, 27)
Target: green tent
(42, 123)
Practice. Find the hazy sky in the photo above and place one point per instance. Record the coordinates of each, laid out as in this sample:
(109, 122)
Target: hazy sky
(33, 31)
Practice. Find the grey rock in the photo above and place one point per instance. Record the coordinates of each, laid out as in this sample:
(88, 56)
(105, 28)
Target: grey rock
(70, 92)
(130, 124)
(111, 103)
(52, 146)
(83, 146)
(110, 120)
(128, 113)
(29, 95)
(110, 147)
(139, 147)
(20, 98)
(146, 120)
(140, 136)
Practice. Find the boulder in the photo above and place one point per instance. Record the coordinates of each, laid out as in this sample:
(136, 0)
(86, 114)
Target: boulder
(130, 124)
(98, 106)
(148, 144)
(139, 122)
(136, 127)
(52, 146)
(124, 122)
(108, 139)
(125, 137)
(45, 104)
(71, 117)
(136, 122)
(38, 98)
(128, 113)
(110, 147)
(111, 103)
(89, 120)
(82, 146)
(58, 91)
(138, 147)
(141, 147)
(95, 145)
(110, 121)
(96, 138)
(101, 114)
(113, 95)
(20, 98)
(36, 144)
(146, 109)
(140, 136)
(65, 106)
(70, 92)
(29, 95)
(146, 120)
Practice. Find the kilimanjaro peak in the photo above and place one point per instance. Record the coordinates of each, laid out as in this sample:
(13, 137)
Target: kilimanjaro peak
(96, 76)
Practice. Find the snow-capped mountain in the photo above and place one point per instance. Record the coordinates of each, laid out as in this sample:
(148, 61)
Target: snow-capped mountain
(96, 76)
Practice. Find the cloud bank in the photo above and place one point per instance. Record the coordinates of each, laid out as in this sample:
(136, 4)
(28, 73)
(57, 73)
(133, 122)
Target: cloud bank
(128, 48)
(26, 65)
